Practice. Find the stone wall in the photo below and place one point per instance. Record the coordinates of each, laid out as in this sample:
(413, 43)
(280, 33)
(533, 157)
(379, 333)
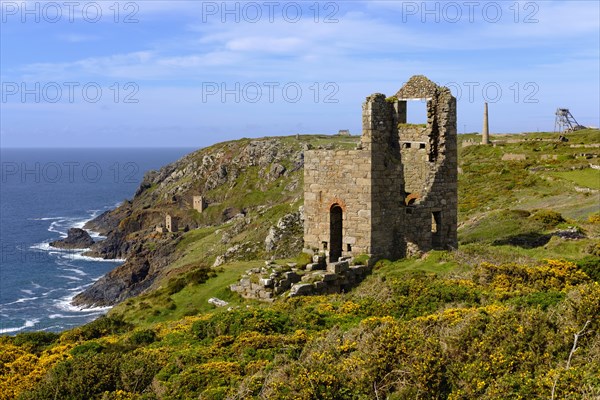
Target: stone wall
(380, 138)
(337, 177)
(268, 282)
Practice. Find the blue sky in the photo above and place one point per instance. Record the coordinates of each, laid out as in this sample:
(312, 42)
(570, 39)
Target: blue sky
(192, 73)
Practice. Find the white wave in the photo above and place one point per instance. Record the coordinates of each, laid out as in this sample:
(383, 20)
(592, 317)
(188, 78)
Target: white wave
(65, 304)
(96, 235)
(77, 271)
(45, 218)
(97, 259)
(28, 324)
(21, 300)
(44, 246)
(53, 228)
(72, 254)
(27, 291)
(55, 316)
(79, 224)
(81, 288)
(73, 278)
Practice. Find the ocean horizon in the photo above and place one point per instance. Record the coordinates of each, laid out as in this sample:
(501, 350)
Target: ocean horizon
(43, 193)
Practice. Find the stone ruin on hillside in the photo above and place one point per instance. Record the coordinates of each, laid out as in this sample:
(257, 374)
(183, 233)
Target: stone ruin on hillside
(396, 194)
(392, 197)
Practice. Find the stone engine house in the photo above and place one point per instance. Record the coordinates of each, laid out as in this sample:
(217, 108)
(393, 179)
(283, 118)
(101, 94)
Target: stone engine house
(396, 193)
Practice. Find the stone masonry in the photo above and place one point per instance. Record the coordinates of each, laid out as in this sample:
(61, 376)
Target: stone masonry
(198, 203)
(272, 280)
(171, 223)
(396, 194)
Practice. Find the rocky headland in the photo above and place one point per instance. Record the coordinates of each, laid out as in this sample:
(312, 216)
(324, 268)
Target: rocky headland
(77, 238)
(253, 190)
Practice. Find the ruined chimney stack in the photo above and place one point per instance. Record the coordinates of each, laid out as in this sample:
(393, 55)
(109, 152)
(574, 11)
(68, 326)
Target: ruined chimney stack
(485, 139)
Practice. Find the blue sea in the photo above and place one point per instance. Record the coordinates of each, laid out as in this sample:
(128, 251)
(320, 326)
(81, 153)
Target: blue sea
(43, 193)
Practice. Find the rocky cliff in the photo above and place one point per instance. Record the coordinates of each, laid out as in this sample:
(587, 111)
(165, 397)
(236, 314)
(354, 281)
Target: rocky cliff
(76, 239)
(253, 190)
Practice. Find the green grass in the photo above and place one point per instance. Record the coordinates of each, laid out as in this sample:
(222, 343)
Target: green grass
(588, 177)
(158, 306)
(489, 192)
(498, 225)
(439, 262)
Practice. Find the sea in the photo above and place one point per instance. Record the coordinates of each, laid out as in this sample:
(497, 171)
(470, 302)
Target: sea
(43, 193)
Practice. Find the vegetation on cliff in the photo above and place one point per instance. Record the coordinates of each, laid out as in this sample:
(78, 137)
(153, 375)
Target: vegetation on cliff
(513, 313)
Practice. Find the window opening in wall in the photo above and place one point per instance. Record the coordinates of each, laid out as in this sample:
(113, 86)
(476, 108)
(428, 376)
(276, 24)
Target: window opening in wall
(416, 112)
(436, 221)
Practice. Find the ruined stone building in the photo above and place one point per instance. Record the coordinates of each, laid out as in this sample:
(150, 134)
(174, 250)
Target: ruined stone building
(198, 203)
(396, 194)
(171, 224)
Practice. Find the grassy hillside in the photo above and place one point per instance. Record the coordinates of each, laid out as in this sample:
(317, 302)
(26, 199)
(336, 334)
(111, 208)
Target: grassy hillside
(497, 318)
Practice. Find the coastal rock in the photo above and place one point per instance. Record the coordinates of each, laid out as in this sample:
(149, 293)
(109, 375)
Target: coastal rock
(114, 246)
(137, 274)
(77, 238)
(285, 238)
(122, 282)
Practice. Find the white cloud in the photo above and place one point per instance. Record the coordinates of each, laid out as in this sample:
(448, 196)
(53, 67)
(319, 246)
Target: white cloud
(77, 38)
(266, 44)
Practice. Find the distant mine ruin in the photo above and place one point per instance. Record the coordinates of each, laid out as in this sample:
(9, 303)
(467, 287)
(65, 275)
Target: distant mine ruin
(565, 121)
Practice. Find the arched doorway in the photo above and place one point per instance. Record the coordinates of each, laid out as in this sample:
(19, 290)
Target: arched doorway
(335, 232)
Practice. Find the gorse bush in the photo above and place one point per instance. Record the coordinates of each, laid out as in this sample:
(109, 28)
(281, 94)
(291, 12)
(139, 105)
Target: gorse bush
(35, 341)
(103, 326)
(142, 337)
(548, 217)
(241, 320)
(498, 331)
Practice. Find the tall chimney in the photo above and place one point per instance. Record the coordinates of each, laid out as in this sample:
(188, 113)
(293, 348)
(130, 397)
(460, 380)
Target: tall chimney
(486, 129)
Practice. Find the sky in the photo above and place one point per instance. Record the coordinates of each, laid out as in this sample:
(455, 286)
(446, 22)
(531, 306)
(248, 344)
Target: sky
(193, 73)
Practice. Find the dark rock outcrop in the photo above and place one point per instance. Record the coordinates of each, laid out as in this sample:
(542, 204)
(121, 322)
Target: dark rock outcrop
(133, 277)
(76, 239)
(114, 246)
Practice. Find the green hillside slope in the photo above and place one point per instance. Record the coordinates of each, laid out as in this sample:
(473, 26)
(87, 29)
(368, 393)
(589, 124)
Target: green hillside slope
(512, 313)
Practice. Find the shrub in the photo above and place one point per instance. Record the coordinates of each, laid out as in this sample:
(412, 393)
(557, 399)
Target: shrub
(103, 326)
(548, 217)
(242, 320)
(303, 259)
(138, 371)
(199, 275)
(361, 259)
(591, 266)
(142, 337)
(594, 249)
(85, 376)
(87, 347)
(541, 299)
(176, 285)
(35, 341)
(594, 218)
